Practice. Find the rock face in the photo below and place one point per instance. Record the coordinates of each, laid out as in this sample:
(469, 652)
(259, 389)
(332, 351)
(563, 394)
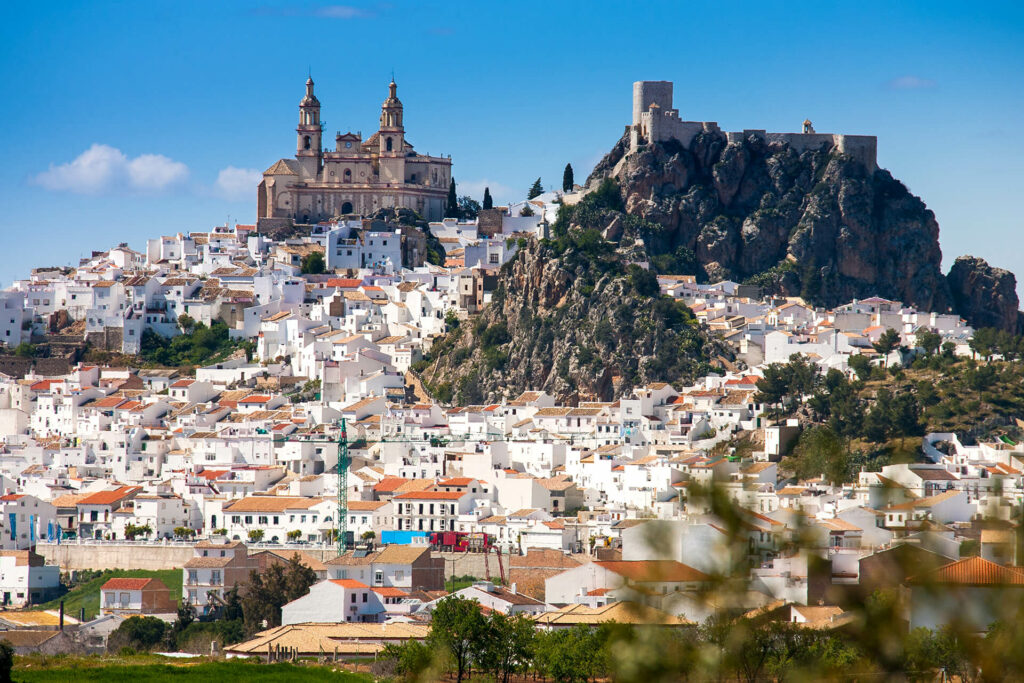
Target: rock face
(985, 296)
(816, 224)
(575, 321)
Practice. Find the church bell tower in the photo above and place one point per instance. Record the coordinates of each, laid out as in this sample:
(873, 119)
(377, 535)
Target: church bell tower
(392, 131)
(309, 150)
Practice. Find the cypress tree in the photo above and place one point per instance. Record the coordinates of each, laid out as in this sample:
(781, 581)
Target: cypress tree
(488, 202)
(567, 179)
(452, 210)
(536, 189)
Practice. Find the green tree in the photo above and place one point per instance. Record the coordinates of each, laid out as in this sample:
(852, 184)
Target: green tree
(186, 323)
(527, 210)
(506, 647)
(983, 342)
(294, 534)
(468, 207)
(268, 592)
(452, 207)
(256, 535)
(131, 531)
(860, 365)
(929, 341)
(6, 661)
(820, 451)
(184, 532)
(412, 659)
(488, 202)
(25, 350)
(886, 343)
(567, 179)
(535, 190)
(313, 263)
(458, 629)
(137, 633)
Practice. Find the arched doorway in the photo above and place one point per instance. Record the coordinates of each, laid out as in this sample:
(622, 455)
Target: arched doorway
(346, 208)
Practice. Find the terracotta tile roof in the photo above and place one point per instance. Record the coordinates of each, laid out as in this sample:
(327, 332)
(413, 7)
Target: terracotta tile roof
(109, 497)
(271, 504)
(432, 495)
(973, 571)
(348, 583)
(654, 570)
(127, 584)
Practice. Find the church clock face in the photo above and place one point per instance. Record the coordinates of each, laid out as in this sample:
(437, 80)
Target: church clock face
(348, 144)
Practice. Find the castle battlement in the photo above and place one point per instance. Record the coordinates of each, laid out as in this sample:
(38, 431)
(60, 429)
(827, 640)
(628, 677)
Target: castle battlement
(655, 120)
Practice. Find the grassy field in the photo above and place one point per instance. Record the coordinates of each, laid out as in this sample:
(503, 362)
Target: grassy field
(145, 668)
(87, 595)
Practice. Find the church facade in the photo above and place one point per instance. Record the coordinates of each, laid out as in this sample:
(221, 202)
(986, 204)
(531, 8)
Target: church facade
(357, 177)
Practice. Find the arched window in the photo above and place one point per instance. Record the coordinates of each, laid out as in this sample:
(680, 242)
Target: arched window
(307, 143)
(348, 175)
(346, 208)
(389, 144)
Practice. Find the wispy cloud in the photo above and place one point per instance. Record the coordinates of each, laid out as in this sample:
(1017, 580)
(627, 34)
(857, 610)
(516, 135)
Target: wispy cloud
(323, 11)
(910, 83)
(102, 169)
(342, 12)
(237, 184)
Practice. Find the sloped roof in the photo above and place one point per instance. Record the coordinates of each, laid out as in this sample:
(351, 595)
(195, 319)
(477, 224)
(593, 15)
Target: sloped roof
(283, 167)
(654, 570)
(973, 571)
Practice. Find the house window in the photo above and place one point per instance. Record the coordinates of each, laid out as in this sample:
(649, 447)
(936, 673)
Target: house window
(493, 258)
(364, 597)
(378, 577)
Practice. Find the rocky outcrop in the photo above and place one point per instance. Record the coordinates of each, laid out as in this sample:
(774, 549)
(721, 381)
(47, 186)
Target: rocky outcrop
(573, 319)
(985, 296)
(817, 224)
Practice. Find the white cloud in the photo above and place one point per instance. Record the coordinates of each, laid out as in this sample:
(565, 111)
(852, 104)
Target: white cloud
(910, 83)
(501, 194)
(103, 168)
(341, 12)
(237, 184)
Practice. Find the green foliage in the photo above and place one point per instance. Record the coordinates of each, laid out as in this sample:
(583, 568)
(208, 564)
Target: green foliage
(138, 633)
(535, 190)
(820, 451)
(6, 661)
(131, 531)
(644, 282)
(506, 645)
(412, 660)
(313, 263)
(25, 350)
(680, 262)
(256, 535)
(451, 209)
(468, 207)
(886, 343)
(203, 346)
(184, 532)
(451, 320)
(567, 178)
(151, 669)
(495, 335)
(457, 629)
(488, 201)
(268, 592)
(86, 593)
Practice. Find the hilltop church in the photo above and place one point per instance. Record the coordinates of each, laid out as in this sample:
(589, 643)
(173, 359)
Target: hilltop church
(357, 177)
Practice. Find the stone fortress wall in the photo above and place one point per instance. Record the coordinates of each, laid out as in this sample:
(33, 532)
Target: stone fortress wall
(654, 120)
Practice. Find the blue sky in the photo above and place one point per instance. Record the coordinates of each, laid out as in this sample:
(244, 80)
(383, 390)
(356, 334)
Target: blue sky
(122, 121)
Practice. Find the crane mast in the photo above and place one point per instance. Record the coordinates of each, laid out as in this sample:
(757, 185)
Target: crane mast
(343, 463)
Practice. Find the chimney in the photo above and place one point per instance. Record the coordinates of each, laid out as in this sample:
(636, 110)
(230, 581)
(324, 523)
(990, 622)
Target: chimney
(61, 615)
(512, 587)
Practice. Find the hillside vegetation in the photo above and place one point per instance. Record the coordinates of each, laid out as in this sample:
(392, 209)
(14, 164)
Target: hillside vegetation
(574, 316)
(87, 593)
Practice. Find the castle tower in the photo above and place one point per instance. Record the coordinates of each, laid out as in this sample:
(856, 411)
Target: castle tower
(392, 130)
(309, 150)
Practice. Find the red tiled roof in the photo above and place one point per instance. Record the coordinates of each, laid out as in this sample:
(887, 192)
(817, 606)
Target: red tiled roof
(973, 571)
(432, 495)
(108, 497)
(456, 481)
(256, 398)
(654, 570)
(348, 583)
(390, 592)
(125, 584)
(344, 282)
